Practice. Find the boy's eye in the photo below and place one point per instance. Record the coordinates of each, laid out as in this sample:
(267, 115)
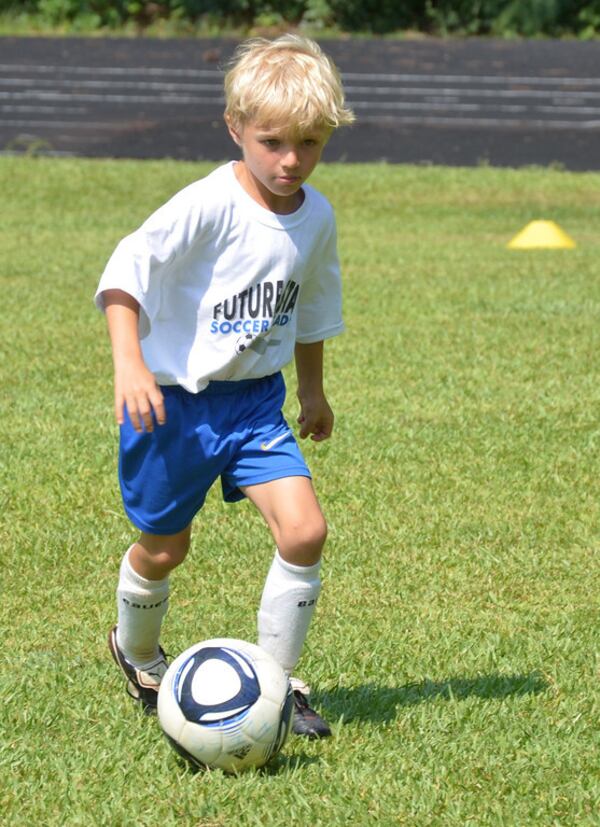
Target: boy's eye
(273, 143)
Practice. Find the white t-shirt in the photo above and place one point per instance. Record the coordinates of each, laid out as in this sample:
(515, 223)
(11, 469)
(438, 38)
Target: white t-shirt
(226, 287)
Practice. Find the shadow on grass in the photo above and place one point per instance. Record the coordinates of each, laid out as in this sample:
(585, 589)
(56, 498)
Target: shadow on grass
(280, 763)
(288, 762)
(376, 703)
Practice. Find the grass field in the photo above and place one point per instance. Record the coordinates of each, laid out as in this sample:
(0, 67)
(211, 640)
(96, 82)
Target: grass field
(455, 649)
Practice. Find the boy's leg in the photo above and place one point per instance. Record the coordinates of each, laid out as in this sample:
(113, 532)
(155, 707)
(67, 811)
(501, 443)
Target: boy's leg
(292, 512)
(164, 477)
(154, 556)
(142, 600)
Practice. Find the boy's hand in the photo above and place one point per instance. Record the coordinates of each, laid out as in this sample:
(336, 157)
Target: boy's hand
(136, 390)
(316, 418)
(135, 385)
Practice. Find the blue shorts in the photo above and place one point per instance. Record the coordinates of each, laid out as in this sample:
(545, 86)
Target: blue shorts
(234, 430)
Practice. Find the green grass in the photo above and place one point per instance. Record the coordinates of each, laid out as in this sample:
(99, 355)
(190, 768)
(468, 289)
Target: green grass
(455, 648)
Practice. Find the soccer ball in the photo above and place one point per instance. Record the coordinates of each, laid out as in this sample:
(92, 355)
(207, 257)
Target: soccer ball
(226, 703)
(243, 343)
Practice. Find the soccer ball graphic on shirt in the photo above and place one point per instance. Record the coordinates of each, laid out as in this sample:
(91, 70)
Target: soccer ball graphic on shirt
(243, 343)
(225, 703)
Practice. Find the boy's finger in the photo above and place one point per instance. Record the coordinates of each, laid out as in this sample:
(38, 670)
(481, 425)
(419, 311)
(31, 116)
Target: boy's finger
(144, 406)
(132, 410)
(135, 421)
(148, 421)
(158, 405)
(119, 416)
(320, 436)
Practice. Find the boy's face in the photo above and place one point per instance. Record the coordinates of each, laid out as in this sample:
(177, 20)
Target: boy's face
(276, 162)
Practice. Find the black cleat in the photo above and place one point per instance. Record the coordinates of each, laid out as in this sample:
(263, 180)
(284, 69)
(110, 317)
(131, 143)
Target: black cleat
(307, 722)
(142, 684)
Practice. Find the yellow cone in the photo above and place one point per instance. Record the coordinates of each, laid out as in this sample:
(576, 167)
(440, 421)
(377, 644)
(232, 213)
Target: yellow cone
(540, 235)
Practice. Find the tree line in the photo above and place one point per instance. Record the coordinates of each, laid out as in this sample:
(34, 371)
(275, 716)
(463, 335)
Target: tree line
(500, 18)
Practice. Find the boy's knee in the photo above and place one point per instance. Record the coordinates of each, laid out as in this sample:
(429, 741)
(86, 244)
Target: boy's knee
(169, 556)
(159, 555)
(301, 544)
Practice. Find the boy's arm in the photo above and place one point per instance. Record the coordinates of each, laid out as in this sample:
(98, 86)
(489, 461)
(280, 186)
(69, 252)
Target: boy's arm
(135, 385)
(316, 417)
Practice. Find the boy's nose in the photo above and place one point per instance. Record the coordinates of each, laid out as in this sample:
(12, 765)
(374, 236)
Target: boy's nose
(290, 159)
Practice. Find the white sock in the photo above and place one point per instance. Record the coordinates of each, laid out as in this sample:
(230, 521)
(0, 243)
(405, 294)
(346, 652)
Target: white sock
(286, 609)
(141, 606)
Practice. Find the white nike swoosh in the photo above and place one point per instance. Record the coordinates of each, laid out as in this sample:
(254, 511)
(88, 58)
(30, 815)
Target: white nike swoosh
(266, 446)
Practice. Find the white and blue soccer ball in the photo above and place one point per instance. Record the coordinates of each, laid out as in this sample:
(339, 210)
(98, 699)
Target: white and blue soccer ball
(226, 703)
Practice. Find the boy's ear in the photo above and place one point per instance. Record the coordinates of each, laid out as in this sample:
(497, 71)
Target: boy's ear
(233, 131)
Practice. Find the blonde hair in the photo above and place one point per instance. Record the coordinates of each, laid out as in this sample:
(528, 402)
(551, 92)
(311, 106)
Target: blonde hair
(289, 81)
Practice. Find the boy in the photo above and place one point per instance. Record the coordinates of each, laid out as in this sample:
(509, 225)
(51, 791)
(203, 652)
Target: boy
(206, 302)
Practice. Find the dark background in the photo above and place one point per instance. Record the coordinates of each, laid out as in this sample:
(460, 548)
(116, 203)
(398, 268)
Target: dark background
(431, 101)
